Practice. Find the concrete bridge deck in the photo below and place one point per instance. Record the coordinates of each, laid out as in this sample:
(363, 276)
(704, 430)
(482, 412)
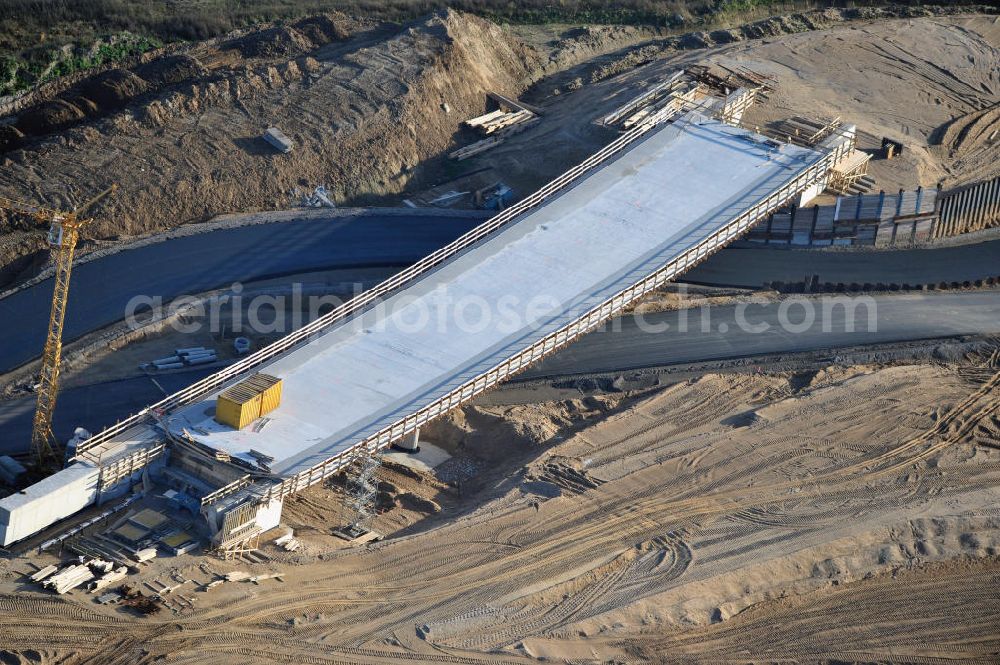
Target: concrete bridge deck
(675, 192)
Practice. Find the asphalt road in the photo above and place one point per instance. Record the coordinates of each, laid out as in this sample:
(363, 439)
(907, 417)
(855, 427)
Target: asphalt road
(93, 407)
(626, 346)
(752, 267)
(193, 264)
(675, 337)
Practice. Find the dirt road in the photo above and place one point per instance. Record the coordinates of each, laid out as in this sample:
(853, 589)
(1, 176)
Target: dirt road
(373, 111)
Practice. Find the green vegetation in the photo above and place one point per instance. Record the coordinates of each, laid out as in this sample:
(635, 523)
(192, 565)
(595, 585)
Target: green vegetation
(39, 65)
(41, 39)
(121, 47)
(118, 48)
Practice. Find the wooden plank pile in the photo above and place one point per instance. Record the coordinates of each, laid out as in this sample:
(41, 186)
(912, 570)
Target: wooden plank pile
(807, 132)
(674, 103)
(43, 573)
(636, 103)
(109, 578)
(663, 101)
(69, 578)
(763, 82)
(496, 126)
(725, 79)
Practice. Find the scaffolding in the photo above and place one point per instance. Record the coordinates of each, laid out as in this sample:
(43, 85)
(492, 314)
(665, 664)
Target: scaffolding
(358, 509)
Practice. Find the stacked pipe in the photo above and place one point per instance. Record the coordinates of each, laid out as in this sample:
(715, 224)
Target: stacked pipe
(200, 358)
(195, 355)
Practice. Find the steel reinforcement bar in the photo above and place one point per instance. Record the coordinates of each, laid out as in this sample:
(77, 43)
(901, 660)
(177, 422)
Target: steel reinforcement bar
(356, 304)
(559, 338)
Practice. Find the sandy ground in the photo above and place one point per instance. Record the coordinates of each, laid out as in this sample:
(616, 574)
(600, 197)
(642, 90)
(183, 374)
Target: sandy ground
(905, 79)
(759, 517)
(909, 79)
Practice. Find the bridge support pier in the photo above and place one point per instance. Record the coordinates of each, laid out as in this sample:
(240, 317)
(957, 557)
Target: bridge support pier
(409, 443)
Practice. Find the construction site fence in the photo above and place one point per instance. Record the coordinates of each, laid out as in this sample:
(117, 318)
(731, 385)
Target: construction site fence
(815, 172)
(360, 302)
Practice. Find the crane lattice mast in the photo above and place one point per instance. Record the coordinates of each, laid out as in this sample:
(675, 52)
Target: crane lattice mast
(64, 232)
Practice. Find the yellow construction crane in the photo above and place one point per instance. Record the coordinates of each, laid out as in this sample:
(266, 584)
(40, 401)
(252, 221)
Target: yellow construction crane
(64, 231)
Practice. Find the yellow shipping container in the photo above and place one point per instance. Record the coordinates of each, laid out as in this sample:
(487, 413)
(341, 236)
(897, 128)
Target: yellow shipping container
(248, 400)
(270, 398)
(237, 411)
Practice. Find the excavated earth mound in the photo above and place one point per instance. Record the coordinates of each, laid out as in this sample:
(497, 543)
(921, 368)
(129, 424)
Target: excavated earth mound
(108, 91)
(184, 145)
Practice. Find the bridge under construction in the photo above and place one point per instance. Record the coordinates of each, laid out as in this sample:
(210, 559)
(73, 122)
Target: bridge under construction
(652, 204)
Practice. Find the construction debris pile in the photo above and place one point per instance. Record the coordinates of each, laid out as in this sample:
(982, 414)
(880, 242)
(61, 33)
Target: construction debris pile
(319, 198)
(99, 573)
(131, 597)
(288, 542)
(106, 582)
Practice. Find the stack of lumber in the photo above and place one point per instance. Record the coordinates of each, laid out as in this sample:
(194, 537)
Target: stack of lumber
(670, 105)
(750, 78)
(108, 579)
(69, 578)
(660, 102)
(642, 100)
(43, 573)
(807, 131)
(497, 120)
(726, 79)
(497, 125)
